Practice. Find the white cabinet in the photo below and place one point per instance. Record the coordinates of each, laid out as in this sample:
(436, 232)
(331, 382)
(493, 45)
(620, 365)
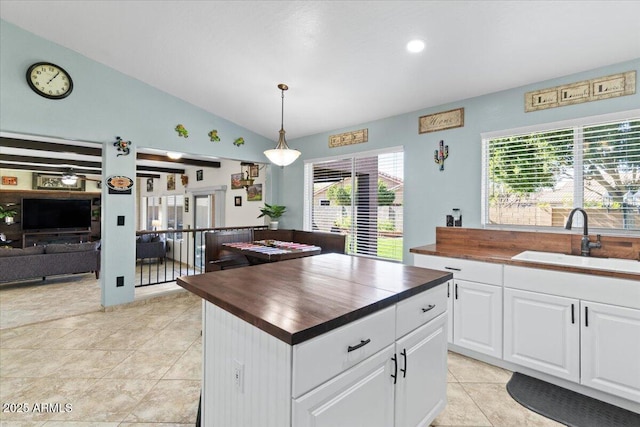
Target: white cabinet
(361, 396)
(611, 349)
(542, 332)
(421, 385)
(474, 302)
(477, 321)
(405, 381)
(553, 325)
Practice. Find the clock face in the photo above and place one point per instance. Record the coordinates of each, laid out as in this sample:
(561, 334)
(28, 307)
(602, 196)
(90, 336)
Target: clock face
(49, 80)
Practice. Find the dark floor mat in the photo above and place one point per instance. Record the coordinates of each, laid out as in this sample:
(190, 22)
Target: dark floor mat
(566, 406)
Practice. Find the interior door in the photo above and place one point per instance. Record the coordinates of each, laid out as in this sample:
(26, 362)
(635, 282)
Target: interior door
(203, 218)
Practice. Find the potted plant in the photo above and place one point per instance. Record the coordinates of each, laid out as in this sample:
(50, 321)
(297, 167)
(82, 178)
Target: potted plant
(7, 214)
(274, 212)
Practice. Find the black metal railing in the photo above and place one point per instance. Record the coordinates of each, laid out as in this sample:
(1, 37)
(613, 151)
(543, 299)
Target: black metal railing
(164, 255)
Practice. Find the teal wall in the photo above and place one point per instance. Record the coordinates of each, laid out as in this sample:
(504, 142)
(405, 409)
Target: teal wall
(104, 104)
(429, 193)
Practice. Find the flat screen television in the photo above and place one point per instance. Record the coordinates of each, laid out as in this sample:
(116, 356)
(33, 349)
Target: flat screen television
(42, 214)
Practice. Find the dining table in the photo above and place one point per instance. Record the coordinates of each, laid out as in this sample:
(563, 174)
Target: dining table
(260, 251)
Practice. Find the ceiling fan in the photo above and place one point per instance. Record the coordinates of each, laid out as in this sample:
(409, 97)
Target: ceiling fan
(70, 177)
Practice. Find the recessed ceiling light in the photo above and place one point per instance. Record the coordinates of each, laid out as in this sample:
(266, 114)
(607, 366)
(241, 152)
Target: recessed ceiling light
(174, 155)
(415, 46)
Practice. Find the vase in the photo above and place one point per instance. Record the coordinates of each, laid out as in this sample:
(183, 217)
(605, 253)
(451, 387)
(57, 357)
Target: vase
(273, 225)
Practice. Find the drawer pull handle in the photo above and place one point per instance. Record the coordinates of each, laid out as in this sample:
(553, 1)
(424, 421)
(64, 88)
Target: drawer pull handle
(453, 268)
(395, 369)
(429, 308)
(357, 346)
(404, 355)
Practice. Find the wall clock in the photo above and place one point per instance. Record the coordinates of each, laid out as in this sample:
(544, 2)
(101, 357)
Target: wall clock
(49, 80)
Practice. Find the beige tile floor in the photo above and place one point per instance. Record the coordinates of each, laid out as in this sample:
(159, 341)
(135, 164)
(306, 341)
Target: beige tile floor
(140, 365)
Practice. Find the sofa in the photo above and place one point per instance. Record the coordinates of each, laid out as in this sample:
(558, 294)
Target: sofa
(151, 246)
(49, 260)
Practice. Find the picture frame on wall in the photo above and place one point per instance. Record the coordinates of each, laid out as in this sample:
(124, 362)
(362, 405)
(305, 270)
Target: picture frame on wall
(235, 181)
(42, 181)
(149, 185)
(171, 182)
(9, 180)
(254, 171)
(186, 205)
(199, 175)
(254, 193)
(237, 200)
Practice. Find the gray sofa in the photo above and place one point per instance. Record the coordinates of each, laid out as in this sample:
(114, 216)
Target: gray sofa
(49, 260)
(150, 246)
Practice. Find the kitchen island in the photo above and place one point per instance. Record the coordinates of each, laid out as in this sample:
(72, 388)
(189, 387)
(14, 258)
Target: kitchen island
(327, 340)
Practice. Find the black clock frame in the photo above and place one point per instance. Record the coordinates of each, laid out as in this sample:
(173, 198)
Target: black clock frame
(46, 95)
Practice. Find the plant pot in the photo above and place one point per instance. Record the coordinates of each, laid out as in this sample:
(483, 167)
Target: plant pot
(273, 225)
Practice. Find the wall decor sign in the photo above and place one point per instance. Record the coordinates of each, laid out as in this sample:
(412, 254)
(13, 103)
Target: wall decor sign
(585, 91)
(9, 180)
(441, 121)
(186, 204)
(349, 138)
(43, 181)
(119, 184)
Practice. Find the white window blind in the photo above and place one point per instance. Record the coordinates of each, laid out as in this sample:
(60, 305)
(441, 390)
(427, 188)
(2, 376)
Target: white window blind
(534, 179)
(361, 197)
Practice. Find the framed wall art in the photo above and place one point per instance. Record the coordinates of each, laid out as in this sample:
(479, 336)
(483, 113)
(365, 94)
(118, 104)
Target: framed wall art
(199, 175)
(254, 193)
(171, 182)
(9, 180)
(43, 181)
(237, 200)
(441, 121)
(235, 181)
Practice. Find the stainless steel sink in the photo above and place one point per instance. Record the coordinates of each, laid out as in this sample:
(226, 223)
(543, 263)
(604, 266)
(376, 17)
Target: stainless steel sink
(611, 264)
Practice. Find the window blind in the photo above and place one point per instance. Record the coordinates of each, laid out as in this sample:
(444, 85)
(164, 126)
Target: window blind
(361, 197)
(534, 179)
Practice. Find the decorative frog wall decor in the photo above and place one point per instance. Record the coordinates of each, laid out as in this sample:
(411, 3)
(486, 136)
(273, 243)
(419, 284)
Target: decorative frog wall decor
(238, 142)
(213, 136)
(182, 131)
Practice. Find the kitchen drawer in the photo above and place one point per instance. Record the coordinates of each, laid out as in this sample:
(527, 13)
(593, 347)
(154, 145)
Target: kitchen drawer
(323, 357)
(419, 309)
(474, 271)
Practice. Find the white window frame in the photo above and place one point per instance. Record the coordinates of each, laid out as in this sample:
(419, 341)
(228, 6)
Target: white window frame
(578, 194)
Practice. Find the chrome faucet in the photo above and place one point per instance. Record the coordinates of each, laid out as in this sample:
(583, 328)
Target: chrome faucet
(585, 244)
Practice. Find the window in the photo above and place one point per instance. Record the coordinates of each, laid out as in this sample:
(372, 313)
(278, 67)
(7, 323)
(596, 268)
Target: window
(175, 206)
(151, 213)
(361, 197)
(534, 178)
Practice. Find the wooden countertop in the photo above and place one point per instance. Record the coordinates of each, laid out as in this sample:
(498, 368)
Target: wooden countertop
(503, 256)
(299, 299)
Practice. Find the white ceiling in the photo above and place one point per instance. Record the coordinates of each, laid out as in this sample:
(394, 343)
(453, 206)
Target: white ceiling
(344, 61)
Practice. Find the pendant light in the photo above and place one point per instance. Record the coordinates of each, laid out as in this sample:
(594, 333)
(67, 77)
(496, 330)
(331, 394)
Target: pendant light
(282, 155)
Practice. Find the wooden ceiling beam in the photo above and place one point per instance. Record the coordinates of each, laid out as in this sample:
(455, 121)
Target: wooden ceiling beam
(49, 169)
(49, 161)
(184, 161)
(159, 169)
(50, 146)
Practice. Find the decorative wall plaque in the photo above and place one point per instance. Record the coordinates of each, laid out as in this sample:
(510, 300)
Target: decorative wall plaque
(585, 91)
(349, 138)
(441, 121)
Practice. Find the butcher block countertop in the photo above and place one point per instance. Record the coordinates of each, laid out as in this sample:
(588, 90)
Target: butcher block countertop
(498, 246)
(299, 299)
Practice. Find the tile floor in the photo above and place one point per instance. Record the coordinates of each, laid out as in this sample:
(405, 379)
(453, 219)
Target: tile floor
(140, 365)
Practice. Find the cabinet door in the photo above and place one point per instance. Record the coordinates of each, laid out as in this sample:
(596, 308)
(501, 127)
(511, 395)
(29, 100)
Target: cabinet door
(361, 396)
(477, 321)
(611, 349)
(542, 332)
(421, 389)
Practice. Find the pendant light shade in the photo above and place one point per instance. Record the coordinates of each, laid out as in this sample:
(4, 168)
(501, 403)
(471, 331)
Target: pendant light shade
(282, 155)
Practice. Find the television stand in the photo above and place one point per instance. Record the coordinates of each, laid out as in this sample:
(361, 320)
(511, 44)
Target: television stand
(34, 238)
